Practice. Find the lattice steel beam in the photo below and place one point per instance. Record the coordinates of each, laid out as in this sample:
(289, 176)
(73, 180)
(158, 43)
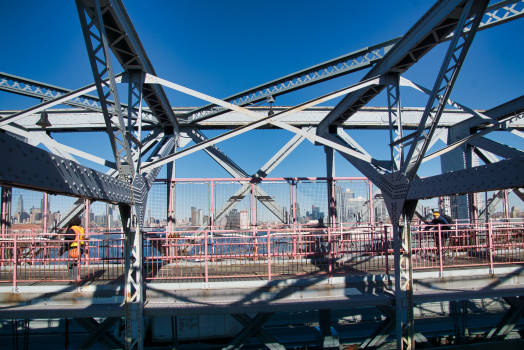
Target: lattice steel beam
(433, 28)
(126, 46)
(446, 79)
(97, 45)
(495, 14)
(395, 121)
(46, 92)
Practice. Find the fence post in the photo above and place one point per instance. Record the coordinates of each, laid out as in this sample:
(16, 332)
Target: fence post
(78, 255)
(490, 246)
(254, 222)
(371, 211)
(441, 264)
(206, 274)
(45, 215)
(15, 261)
(269, 256)
(212, 218)
(329, 252)
(386, 250)
(294, 219)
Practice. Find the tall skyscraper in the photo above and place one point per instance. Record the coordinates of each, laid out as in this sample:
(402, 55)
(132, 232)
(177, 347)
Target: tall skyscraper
(20, 204)
(193, 216)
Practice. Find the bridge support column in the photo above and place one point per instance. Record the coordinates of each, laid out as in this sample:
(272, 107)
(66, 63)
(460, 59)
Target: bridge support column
(330, 173)
(326, 336)
(7, 194)
(134, 307)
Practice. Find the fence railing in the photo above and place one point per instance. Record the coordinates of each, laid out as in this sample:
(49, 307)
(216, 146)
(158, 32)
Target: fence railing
(33, 256)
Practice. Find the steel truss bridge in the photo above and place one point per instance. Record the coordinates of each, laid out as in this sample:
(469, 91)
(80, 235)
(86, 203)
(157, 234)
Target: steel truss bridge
(391, 266)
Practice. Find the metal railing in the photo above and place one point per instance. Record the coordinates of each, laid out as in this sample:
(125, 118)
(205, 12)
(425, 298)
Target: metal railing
(33, 256)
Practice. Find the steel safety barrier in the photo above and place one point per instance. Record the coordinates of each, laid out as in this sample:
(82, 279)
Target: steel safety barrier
(263, 253)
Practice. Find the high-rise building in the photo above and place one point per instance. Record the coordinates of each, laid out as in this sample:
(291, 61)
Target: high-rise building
(193, 216)
(20, 205)
(244, 219)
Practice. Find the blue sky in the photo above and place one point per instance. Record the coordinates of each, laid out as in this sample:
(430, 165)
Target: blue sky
(220, 48)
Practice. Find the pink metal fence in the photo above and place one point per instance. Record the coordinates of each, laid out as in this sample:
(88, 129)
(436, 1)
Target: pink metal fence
(258, 253)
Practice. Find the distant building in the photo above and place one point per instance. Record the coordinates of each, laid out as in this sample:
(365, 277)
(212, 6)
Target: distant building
(244, 219)
(515, 212)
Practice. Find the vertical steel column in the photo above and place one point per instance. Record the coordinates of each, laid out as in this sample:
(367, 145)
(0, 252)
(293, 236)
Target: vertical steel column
(294, 199)
(330, 173)
(135, 101)
(404, 286)
(45, 214)
(254, 222)
(134, 307)
(7, 193)
(371, 208)
(506, 204)
(395, 120)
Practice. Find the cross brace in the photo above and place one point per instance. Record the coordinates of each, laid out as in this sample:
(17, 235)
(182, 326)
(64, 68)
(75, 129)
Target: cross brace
(98, 333)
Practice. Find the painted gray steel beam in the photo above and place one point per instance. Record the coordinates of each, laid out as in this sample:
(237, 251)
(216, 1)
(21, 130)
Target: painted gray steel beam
(273, 119)
(491, 177)
(33, 168)
(249, 331)
(266, 338)
(495, 14)
(497, 148)
(32, 88)
(130, 53)
(434, 26)
(142, 182)
(98, 332)
(510, 108)
(35, 139)
(446, 79)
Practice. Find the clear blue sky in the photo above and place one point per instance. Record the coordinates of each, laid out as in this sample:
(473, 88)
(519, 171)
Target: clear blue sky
(223, 47)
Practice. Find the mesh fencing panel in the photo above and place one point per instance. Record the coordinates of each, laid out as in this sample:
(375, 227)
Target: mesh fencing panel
(156, 208)
(274, 208)
(192, 204)
(352, 200)
(232, 205)
(311, 202)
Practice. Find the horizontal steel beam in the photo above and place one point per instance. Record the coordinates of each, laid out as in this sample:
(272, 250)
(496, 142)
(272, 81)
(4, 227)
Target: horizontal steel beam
(495, 14)
(491, 177)
(32, 88)
(33, 168)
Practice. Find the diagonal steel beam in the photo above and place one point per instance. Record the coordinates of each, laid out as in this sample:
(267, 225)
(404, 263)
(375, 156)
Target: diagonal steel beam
(263, 172)
(249, 331)
(496, 14)
(262, 121)
(262, 334)
(46, 92)
(450, 69)
(509, 320)
(497, 148)
(97, 45)
(499, 125)
(98, 333)
(52, 144)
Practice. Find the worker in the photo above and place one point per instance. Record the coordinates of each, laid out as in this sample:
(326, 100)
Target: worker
(74, 235)
(444, 225)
